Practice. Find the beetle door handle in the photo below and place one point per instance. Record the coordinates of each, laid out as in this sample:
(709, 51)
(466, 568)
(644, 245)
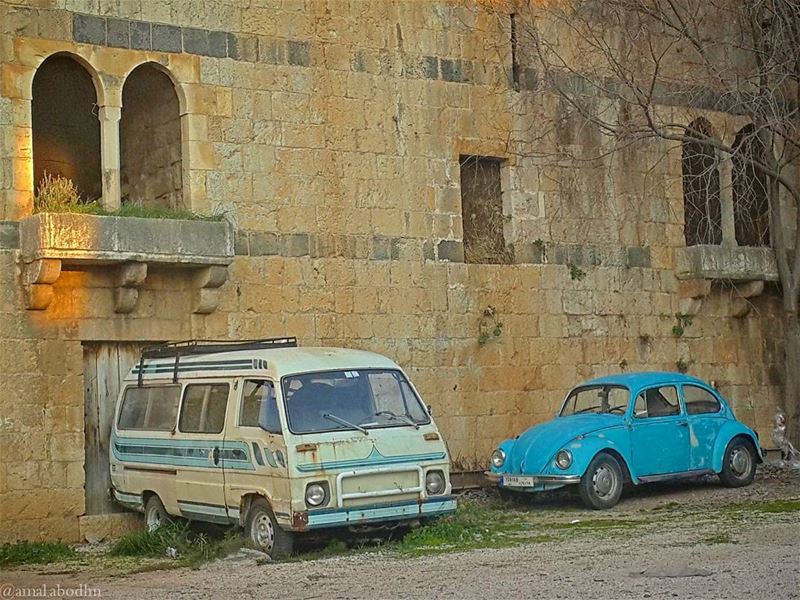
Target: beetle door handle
(215, 455)
(683, 423)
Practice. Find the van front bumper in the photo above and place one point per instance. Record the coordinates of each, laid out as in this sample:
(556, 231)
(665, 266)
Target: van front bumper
(357, 515)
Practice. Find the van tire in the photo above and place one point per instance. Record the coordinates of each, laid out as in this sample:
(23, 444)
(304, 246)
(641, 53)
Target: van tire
(155, 515)
(264, 532)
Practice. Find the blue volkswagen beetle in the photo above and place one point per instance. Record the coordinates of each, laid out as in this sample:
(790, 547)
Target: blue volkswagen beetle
(635, 427)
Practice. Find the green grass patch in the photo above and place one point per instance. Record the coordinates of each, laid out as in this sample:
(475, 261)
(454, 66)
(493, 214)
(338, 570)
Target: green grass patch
(188, 546)
(719, 538)
(34, 553)
(765, 506)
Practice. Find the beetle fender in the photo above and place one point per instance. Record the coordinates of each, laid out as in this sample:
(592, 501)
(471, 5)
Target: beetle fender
(587, 447)
(727, 432)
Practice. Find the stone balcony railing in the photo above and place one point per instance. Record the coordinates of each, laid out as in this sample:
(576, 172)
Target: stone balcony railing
(747, 268)
(50, 242)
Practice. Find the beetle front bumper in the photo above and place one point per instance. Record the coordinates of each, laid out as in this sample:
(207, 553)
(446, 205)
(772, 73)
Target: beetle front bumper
(545, 480)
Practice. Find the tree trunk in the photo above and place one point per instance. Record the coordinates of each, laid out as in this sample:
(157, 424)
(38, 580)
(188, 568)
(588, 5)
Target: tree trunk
(792, 366)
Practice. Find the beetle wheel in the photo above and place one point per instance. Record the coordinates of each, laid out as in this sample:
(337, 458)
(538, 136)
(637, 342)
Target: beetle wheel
(738, 464)
(601, 484)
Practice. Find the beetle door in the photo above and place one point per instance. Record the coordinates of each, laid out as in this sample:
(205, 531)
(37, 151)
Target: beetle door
(705, 415)
(659, 433)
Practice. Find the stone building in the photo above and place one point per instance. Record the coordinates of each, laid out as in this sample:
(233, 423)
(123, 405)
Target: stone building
(372, 198)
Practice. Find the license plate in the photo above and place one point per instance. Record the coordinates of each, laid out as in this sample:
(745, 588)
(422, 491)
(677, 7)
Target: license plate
(518, 481)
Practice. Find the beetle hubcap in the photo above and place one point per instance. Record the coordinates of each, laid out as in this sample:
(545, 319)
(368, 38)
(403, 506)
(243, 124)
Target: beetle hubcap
(604, 481)
(740, 461)
(263, 534)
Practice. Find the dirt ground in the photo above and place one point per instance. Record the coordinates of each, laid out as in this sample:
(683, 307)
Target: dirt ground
(690, 554)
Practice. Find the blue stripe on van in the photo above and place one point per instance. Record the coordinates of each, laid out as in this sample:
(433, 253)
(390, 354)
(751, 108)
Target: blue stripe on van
(181, 453)
(375, 459)
(205, 365)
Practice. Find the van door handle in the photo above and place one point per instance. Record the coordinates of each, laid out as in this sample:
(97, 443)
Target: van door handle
(215, 455)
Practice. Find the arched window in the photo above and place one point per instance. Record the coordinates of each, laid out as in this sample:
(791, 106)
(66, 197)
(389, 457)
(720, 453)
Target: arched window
(150, 140)
(66, 131)
(750, 199)
(701, 198)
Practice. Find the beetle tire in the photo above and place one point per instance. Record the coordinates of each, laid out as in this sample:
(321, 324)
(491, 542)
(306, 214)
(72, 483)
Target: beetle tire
(263, 531)
(738, 470)
(601, 484)
(155, 515)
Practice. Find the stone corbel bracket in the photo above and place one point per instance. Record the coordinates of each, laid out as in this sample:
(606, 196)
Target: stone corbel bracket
(691, 293)
(130, 277)
(740, 303)
(207, 282)
(38, 279)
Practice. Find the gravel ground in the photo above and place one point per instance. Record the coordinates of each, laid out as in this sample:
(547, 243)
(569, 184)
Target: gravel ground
(756, 557)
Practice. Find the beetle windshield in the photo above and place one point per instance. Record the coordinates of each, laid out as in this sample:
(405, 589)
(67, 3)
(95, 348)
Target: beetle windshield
(356, 400)
(608, 399)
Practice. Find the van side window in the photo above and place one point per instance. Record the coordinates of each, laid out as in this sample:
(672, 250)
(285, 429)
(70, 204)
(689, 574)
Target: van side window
(150, 408)
(203, 409)
(700, 401)
(259, 406)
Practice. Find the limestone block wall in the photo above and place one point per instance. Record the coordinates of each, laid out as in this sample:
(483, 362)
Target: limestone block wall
(330, 135)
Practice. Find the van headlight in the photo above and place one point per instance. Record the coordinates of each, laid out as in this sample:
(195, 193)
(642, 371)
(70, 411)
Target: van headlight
(317, 493)
(498, 458)
(434, 483)
(563, 459)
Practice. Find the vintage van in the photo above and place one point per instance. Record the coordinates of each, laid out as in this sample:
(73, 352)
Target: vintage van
(276, 438)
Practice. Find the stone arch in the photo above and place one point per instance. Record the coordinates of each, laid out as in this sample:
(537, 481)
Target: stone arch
(65, 94)
(702, 207)
(151, 156)
(750, 185)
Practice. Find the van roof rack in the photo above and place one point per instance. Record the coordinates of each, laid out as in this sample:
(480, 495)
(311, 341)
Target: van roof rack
(192, 347)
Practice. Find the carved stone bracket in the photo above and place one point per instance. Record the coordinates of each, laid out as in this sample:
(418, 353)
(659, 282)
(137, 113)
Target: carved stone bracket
(691, 293)
(38, 279)
(207, 281)
(740, 305)
(129, 279)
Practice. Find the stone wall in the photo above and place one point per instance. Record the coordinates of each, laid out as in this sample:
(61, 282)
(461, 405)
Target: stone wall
(331, 137)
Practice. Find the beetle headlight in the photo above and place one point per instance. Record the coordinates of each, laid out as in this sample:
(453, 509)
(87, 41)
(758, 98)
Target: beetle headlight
(563, 459)
(434, 483)
(316, 493)
(498, 458)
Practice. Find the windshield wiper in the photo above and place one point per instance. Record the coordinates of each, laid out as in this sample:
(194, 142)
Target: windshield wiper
(392, 415)
(341, 421)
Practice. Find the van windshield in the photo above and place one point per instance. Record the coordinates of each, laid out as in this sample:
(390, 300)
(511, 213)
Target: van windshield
(355, 400)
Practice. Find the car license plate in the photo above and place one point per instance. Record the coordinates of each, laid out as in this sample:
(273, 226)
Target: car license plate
(518, 481)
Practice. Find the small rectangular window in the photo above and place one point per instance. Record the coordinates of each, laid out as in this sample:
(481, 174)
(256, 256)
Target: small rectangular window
(699, 401)
(203, 409)
(259, 406)
(657, 402)
(482, 211)
(149, 408)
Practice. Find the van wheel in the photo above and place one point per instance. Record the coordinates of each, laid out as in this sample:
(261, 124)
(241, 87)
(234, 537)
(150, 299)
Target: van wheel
(601, 484)
(155, 515)
(265, 533)
(738, 464)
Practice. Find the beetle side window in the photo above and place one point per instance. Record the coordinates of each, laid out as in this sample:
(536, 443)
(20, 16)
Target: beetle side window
(657, 402)
(203, 409)
(259, 406)
(151, 408)
(700, 401)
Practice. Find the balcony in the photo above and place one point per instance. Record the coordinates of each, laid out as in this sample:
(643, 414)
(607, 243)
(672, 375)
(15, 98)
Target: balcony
(52, 242)
(730, 263)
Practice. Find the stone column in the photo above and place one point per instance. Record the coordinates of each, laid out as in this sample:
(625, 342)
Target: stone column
(726, 199)
(109, 154)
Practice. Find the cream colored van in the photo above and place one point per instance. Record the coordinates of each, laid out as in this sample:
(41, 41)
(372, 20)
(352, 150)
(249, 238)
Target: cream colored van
(278, 439)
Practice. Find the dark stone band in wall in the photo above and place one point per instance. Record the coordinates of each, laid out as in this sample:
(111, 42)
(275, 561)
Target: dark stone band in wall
(9, 235)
